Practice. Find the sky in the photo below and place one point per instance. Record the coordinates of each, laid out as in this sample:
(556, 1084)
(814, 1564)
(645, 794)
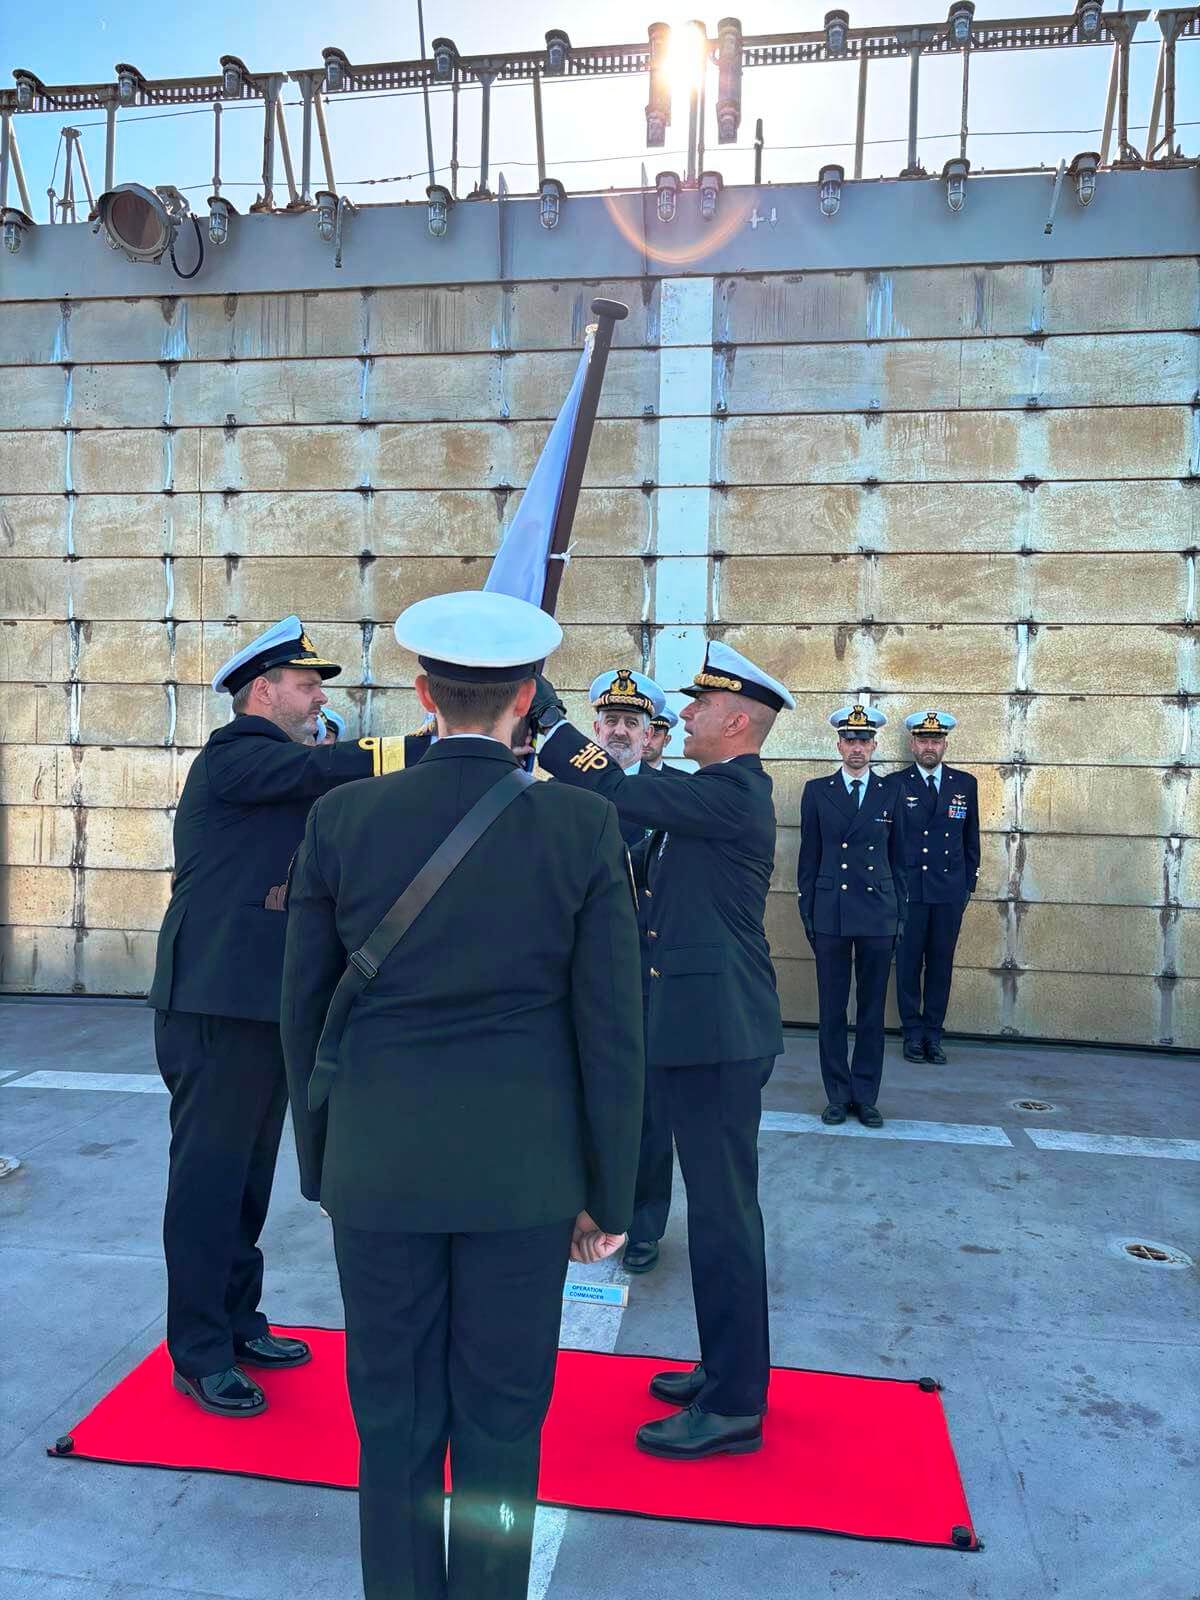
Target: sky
(1027, 109)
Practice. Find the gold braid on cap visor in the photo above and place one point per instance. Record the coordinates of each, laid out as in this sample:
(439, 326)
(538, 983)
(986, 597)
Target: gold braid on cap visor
(715, 680)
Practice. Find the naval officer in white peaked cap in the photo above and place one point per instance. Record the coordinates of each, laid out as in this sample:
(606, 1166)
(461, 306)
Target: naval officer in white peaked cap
(850, 887)
(713, 1027)
(483, 1109)
(216, 999)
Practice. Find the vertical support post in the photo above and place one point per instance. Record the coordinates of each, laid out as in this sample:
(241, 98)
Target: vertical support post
(305, 81)
(1110, 106)
(860, 126)
(454, 136)
(912, 37)
(538, 133)
(758, 150)
(83, 171)
(110, 142)
(702, 100)
(425, 92)
(1123, 42)
(216, 180)
(966, 90)
(323, 134)
(271, 87)
(67, 203)
(19, 173)
(285, 150)
(485, 130)
(5, 159)
(693, 123)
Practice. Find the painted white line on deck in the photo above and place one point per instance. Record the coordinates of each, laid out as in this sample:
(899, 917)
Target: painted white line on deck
(1115, 1144)
(111, 1082)
(893, 1128)
(5, 1076)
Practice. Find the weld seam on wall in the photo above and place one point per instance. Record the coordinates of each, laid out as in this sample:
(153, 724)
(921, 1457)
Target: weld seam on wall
(681, 600)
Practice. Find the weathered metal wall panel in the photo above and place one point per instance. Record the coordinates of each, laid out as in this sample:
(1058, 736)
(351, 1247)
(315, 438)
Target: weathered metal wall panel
(971, 485)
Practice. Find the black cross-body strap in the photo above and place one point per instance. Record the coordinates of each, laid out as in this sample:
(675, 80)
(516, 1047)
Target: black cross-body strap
(366, 961)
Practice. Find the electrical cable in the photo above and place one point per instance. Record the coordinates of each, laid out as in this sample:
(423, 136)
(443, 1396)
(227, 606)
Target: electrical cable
(200, 246)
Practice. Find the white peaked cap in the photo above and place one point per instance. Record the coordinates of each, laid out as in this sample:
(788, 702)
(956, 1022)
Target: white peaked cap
(478, 636)
(726, 668)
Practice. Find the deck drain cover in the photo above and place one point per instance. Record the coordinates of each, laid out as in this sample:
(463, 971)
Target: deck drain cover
(1033, 1105)
(1153, 1253)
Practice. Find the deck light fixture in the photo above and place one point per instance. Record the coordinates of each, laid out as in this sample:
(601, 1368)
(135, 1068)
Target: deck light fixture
(955, 173)
(658, 107)
(558, 49)
(958, 23)
(327, 204)
(142, 223)
(710, 189)
(831, 180)
(219, 213)
(837, 26)
(440, 201)
(550, 207)
(13, 224)
(1083, 170)
(445, 60)
(337, 69)
(235, 75)
(1089, 18)
(129, 83)
(29, 86)
(666, 186)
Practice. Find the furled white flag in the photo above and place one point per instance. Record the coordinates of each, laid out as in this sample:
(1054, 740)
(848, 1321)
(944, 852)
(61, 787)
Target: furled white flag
(519, 566)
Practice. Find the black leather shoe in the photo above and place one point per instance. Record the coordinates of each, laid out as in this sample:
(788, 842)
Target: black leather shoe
(693, 1434)
(935, 1053)
(640, 1255)
(832, 1115)
(272, 1351)
(678, 1388)
(869, 1117)
(914, 1052)
(226, 1394)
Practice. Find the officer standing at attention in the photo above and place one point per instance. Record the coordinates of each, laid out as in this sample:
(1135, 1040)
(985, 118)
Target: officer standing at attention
(851, 894)
(941, 865)
(714, 1024)
(483, 1107)
(216, 999)
(624, 703)
(656, 743)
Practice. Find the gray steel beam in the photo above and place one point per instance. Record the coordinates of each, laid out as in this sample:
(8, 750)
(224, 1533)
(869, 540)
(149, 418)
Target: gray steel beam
(884, 223)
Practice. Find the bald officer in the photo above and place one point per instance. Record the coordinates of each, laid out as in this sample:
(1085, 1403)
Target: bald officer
(851, 892)
(484, 1104)
(941, 866)
(656, 743)
(216, 999)
(714, 1024)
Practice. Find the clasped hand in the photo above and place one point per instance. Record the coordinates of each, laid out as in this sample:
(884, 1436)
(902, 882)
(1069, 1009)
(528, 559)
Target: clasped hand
(590, 1243)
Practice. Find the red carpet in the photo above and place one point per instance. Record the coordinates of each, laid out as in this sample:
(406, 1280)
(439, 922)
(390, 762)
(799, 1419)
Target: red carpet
(867, 1457)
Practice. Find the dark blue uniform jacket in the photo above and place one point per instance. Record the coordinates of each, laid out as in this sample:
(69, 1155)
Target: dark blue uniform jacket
(705, 881)
(848, 876)
(940, 849)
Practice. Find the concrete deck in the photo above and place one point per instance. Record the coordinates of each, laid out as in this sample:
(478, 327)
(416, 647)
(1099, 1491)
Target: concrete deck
(1070, 1370)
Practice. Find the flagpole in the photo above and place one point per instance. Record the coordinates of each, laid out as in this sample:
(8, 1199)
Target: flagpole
(607, 314)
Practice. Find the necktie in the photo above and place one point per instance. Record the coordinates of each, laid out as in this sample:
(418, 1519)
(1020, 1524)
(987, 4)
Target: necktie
(932, 786)
(856, 790)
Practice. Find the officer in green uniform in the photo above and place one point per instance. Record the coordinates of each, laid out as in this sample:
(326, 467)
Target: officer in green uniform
(216, 999)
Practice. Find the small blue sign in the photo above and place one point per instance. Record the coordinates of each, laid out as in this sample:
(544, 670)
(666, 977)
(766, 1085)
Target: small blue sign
(598, 1294)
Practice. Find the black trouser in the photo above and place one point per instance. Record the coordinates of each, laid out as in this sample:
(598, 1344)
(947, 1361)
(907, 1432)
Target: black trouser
(930, 935)
(856, 1082)
(652, 1193)
(228, 1096)
(715, 1111)
(450, 1339)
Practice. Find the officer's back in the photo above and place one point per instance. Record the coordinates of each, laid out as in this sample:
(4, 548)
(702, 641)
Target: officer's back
(463, 1048)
